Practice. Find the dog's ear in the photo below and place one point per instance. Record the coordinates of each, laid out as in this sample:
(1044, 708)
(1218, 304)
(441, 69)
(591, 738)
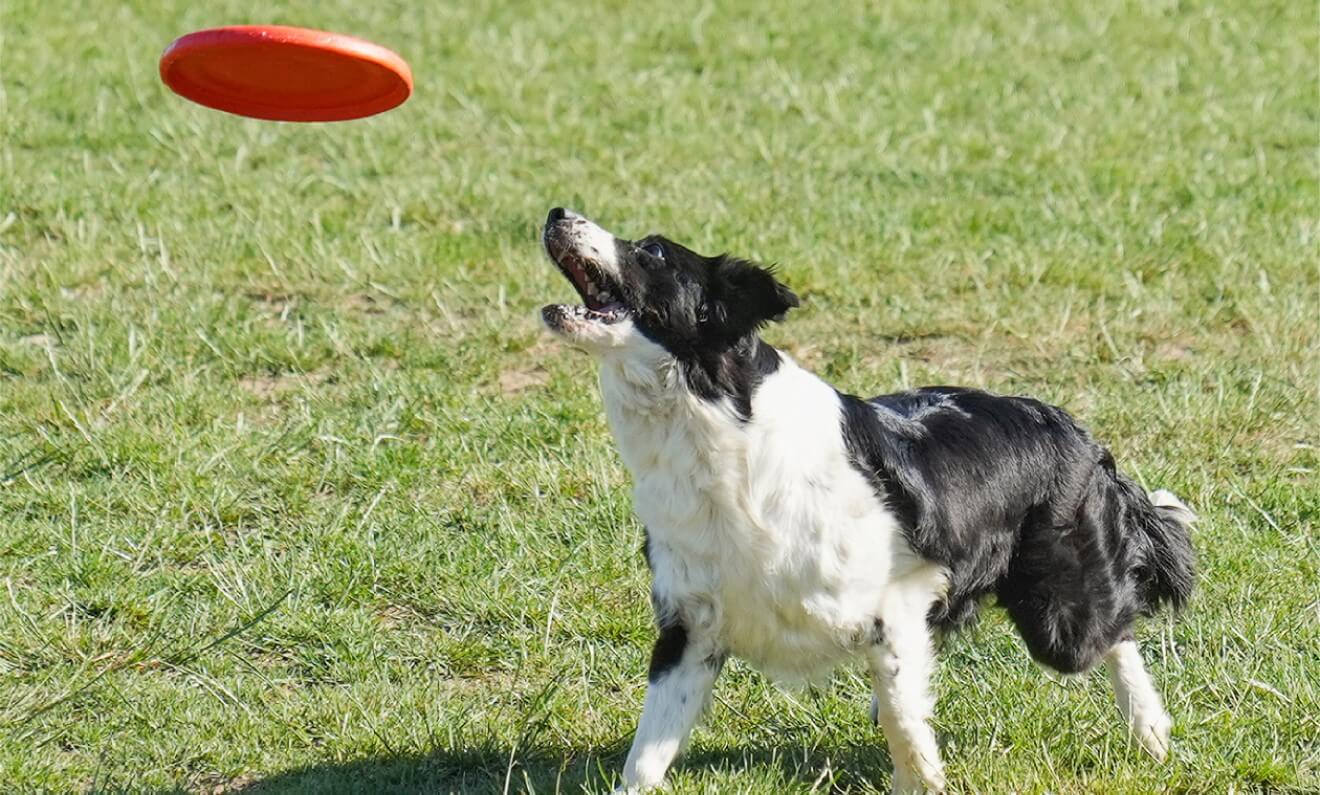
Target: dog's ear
(746, 296)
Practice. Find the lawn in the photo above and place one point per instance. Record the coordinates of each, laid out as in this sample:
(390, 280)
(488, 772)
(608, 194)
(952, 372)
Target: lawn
(295, 496)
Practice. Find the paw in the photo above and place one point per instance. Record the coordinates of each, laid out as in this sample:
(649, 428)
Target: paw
(926, 782)
(1152, 731)
(874, 712)
(640, 781)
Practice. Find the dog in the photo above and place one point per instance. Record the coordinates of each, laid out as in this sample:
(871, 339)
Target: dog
(795, 526)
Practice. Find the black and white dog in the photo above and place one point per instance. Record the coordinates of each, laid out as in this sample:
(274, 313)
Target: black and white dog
(793, 526)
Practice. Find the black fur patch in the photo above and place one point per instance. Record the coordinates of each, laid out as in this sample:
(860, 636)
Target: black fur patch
(668, 650)
(1013, 498)
(877, 632)
(734, 374)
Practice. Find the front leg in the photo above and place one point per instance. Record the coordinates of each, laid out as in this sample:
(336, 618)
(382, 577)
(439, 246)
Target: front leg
(901, 661)
(683, 670)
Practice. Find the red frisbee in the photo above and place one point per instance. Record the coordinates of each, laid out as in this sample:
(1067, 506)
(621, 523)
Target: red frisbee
(285, 74)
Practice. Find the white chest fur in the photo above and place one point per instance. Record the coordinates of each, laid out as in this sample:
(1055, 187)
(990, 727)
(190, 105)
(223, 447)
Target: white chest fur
(762, 533)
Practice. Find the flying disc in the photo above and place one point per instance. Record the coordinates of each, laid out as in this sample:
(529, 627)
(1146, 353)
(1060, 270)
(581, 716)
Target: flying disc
(285, 74)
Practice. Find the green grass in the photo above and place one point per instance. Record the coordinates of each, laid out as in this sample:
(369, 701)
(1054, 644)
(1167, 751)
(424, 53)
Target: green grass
(294, 495)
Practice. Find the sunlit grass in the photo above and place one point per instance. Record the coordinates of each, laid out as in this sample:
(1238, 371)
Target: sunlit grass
(294, 494)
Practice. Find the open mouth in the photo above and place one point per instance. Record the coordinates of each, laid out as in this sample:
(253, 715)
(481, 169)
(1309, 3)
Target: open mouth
(601, 298)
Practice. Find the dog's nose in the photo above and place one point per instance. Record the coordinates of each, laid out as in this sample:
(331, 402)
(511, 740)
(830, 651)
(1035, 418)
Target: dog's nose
(560, 214)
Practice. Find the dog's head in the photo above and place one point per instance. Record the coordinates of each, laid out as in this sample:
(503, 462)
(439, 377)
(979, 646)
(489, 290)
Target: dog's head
(655, 290)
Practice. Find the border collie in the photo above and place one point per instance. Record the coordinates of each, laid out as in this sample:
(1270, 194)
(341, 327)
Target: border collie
(794, 525)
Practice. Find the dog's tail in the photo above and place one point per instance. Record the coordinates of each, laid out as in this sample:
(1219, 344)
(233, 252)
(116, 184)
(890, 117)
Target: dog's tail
(1159, 527)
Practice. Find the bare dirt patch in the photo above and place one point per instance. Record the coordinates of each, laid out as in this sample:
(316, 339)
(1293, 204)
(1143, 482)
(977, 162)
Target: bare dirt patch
(269, 386)
(512, 382)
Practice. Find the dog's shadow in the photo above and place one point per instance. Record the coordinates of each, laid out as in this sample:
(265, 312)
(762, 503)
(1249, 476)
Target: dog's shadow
(492, 769)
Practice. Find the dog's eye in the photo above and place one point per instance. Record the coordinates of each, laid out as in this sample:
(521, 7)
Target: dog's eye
(655, 250)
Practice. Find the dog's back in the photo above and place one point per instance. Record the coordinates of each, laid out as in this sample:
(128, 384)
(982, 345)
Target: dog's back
(1014, 498)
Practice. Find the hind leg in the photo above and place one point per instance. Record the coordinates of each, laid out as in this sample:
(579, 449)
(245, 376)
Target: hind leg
(1137, 698)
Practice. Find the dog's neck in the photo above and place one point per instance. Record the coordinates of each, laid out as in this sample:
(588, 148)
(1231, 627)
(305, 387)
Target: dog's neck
(651, 397)
(648, 377)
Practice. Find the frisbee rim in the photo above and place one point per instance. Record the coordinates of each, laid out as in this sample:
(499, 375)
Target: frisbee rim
(338, 47)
